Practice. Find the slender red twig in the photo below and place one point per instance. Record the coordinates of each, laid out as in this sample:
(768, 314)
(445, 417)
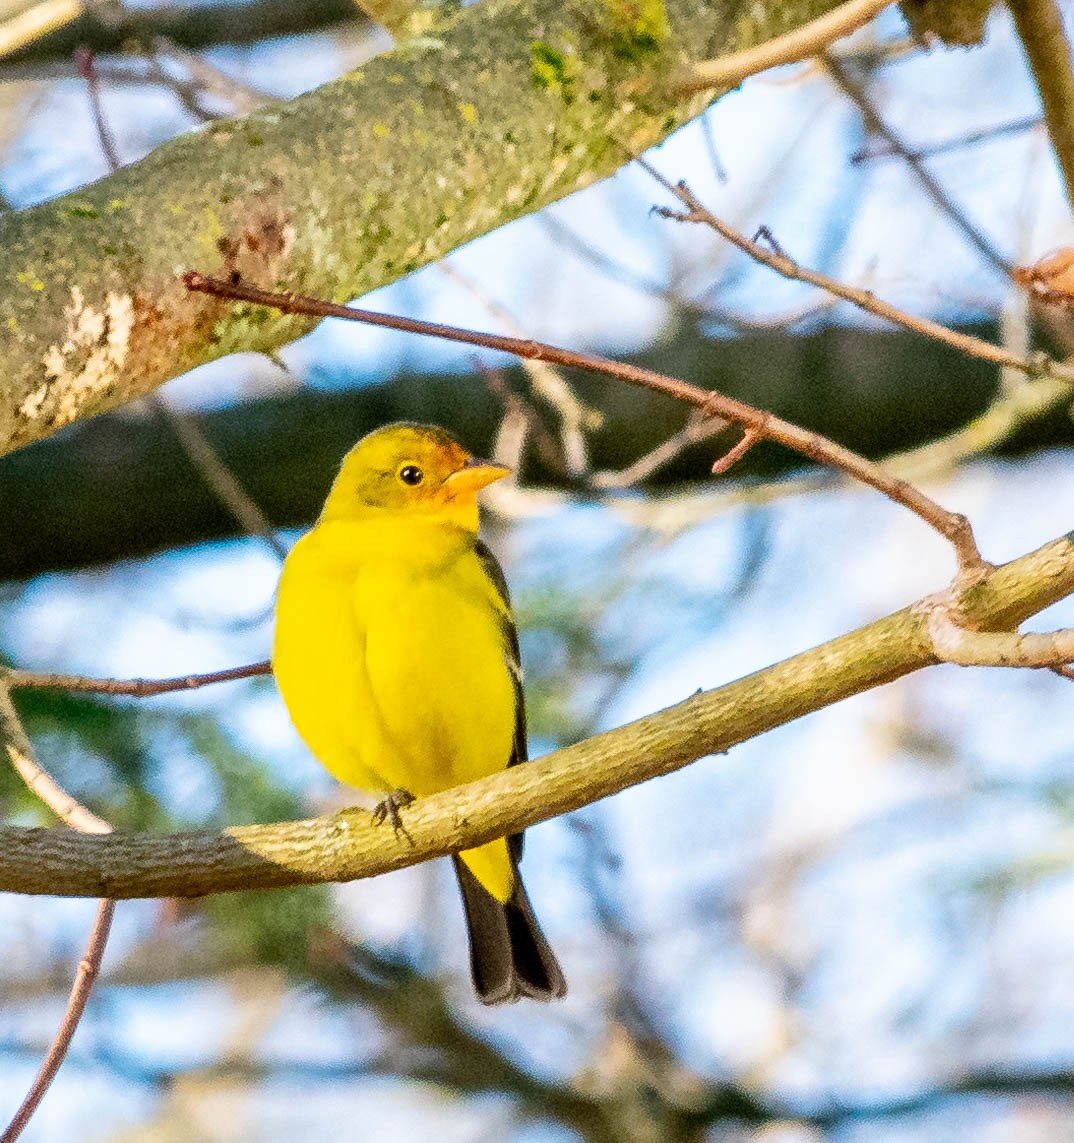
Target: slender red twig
(735, 453)
(88, 968)
(137, 688)
(84, 820)
(953, 526)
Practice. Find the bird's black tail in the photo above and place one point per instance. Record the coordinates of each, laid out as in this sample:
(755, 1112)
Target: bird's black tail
(509, 956)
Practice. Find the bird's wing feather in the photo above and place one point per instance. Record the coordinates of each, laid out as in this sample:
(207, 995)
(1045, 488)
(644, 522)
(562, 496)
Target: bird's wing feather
(514, 658)
(519, 752)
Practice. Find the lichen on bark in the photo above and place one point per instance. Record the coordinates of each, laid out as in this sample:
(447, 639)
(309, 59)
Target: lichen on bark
(514, 104)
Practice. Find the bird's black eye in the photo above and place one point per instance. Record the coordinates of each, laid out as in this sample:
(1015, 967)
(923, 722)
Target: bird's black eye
(411, 474)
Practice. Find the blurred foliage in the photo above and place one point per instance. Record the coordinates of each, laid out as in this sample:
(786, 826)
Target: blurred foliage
(278, 928)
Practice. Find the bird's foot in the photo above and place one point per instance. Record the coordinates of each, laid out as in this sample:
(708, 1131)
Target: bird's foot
(388, 810)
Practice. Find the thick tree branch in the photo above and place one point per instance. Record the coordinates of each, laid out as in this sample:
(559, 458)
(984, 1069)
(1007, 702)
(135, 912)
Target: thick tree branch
(509, 107)
(347, 846)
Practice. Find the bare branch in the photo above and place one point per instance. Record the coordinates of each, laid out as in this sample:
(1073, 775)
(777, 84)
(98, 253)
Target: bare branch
(843, 79)
(79, 818)
(221, 481)
(954, 527)
(40, 781)
(575, 415)
(1034, 366)
(137, 688)
(695, 430)
(205, 78)
(956, 644)
(88, 968)
(88, 71)
(348, 846)
(737, 451)
(970, 139)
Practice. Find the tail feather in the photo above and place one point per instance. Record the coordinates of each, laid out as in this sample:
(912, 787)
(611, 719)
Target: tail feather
(509, 956)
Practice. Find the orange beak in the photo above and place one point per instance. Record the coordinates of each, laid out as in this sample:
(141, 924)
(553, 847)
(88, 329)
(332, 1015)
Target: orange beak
(474, 475)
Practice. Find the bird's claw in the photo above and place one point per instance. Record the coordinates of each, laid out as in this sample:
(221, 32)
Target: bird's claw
(388, 810)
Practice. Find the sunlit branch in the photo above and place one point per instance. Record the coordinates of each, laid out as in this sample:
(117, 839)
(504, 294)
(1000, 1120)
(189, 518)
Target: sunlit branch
(800, 44)
(348, 845)
(34, 20)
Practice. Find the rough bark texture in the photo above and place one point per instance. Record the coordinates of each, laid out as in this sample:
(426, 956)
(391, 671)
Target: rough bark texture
(516, 104)
(348, 846)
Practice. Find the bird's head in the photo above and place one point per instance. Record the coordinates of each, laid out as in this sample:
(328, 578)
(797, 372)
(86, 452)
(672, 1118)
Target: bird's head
(409, 468)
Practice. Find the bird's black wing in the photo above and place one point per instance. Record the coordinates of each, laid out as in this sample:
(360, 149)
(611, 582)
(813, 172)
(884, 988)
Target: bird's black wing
(514, 658)
(509, 955)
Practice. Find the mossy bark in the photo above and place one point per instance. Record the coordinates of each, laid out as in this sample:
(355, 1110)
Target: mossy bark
(511, 106)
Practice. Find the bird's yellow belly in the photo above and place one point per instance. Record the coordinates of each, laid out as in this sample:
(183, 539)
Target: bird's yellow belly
(394, 679)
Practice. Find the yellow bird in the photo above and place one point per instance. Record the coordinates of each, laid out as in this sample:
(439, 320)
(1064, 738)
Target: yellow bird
(397, 657)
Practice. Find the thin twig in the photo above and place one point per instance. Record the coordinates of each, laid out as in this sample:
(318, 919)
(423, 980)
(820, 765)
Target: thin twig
(695, 430)
(83, 820)
(575, 415)
(850, 87)
(221, 481)
(953, 526)
(41, 783)
(803, 43)
(736, 452)
(1040, 28)
(1036, 365)
(208, 78)
(86, 69)
(137, 688)
(970, 139)
(619, 272)
(88, 968)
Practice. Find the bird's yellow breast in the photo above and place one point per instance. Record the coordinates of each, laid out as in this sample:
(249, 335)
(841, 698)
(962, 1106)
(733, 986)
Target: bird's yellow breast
(390, 653)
